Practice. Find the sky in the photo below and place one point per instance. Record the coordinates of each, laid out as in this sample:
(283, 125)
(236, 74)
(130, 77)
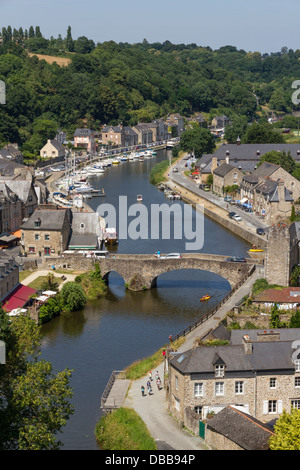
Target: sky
(255, 25)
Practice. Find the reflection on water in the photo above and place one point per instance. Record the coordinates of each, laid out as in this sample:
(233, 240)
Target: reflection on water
(115, 331)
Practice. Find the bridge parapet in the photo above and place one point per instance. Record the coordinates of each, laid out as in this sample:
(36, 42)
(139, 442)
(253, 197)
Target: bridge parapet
(141, 271)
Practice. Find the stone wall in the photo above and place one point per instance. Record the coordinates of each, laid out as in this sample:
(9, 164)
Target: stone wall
(281, 254)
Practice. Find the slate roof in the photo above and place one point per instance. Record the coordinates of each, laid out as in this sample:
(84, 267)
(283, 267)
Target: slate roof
(265, 356)
(83, 133)
(20, 187)
(270, 188)
(86, 222)
(49, 219)
(266, 169)
(249, 151)
(286, 334)
(244, 430)
(223, 169)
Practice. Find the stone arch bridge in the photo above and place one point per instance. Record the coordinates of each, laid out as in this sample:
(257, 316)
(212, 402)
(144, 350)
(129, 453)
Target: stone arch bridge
(141, 271)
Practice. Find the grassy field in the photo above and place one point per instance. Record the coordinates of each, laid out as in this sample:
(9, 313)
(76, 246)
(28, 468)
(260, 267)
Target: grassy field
(61, 61)
(38, 282)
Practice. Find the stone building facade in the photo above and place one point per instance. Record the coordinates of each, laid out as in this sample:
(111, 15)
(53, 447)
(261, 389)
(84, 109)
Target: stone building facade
(258, 376)
(46, 233)
(9, 274)
(225, 175)
(282, 253)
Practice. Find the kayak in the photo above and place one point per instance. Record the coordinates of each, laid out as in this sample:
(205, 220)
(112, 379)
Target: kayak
(255, 250)
(205, 297)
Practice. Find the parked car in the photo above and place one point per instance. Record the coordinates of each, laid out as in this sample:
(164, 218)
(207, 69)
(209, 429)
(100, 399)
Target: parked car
(175, 169)
(231, 214)
(227, 198)
(207, 188)
(171, 256)
(236, 259)
(260, 231)
(237, 217)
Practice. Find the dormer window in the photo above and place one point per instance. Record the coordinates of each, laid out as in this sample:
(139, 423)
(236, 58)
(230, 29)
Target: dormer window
(219, 370)
(37, 223)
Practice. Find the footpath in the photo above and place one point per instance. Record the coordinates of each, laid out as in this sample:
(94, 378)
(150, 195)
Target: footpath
(153, 409)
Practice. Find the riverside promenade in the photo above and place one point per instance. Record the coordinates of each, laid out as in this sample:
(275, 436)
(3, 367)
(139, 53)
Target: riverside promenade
(153, 409)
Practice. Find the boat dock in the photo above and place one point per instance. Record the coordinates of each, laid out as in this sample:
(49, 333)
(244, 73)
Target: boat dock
(115, 391)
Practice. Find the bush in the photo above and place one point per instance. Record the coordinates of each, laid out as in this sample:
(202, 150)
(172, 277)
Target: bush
(73, 296)
(50, 310)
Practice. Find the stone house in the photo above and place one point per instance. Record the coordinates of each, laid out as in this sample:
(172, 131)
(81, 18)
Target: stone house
(175, 125)
(9, 275)
(46, 232)
(119, 136)
(144, 132)
(85, 138)
(25, 191)
(12, 152)
(259, 374)
(225, 175)
(219, 122)
(161, 129)
(53, 149)
(61, 136)
(10, 209)
(269, 171)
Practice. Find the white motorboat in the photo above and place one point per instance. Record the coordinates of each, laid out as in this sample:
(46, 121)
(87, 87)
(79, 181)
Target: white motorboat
(139, 198)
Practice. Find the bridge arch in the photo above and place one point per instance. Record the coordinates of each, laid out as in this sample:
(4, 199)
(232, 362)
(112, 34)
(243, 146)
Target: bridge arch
(141, 272)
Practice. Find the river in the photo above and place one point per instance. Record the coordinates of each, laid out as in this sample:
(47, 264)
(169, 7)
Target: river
(115, 331)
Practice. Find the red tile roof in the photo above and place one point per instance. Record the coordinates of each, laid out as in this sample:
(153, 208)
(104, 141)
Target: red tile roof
(17, 298)
(285, 295)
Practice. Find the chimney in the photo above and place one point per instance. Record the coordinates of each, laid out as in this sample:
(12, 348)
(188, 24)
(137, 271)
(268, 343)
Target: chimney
(238, 141)
(268, 336)
(281, 191)
(247, 344)
(258, 153)
(214, 164)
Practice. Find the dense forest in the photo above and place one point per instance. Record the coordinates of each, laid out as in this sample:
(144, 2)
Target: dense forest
(109, 83)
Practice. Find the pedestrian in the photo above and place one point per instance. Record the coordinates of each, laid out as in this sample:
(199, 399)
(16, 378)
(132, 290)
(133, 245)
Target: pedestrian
(156, 375)
(150, 375)
(158, 383)
(143, 390)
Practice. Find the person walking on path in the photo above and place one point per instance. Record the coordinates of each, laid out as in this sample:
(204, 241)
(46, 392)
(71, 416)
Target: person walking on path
(143, 390)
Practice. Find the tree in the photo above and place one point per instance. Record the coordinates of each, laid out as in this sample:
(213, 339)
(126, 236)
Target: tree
(197, 140)
(50, 283)
(69, 40)
(287, 436)
(275, 317)
(73, 296)
(34, 401)
(262, 134)
(283, 159)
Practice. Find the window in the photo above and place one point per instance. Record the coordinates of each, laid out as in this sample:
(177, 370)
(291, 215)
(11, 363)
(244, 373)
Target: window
(31, 249)
(219, 370)
(297, 382)
(239, 387)
(46, 251)
(219, 388)
(176, 382)
(177, 404)
(198, 389)
(272, 382)
(295, 404)
(47, 237)
(272, 406)
(198, 410)
(297, 365)
(36, 236)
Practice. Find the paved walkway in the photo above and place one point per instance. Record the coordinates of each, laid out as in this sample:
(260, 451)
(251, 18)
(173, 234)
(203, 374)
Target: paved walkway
(153, 409)
(38, 273)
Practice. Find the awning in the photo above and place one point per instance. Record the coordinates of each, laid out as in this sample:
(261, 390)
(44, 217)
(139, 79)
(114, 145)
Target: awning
(49, 292)
(42, 298)
(17, 298)
(244, 200)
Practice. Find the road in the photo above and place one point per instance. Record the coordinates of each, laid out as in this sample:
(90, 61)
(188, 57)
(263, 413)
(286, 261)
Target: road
(248, 218)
